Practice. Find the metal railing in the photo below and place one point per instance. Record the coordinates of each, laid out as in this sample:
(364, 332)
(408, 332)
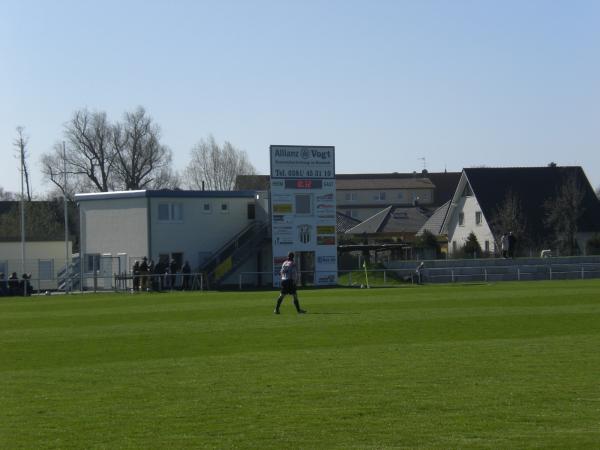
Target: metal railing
(127, 281)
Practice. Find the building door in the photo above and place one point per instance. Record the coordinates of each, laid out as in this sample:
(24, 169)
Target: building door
(106, 270)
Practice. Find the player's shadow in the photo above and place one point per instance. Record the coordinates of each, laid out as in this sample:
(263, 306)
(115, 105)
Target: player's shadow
(332, 313)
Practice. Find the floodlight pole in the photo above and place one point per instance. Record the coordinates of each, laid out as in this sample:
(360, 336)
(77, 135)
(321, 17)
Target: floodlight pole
(22, 209)
(67, 275)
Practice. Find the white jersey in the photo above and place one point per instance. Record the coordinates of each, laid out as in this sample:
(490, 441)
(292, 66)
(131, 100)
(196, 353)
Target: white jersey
(288, 270)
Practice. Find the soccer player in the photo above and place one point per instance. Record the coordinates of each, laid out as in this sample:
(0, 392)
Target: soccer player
(289, 273)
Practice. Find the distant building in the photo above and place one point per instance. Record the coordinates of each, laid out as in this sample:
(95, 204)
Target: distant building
(361, 196)
(481, 192)
(45, 249)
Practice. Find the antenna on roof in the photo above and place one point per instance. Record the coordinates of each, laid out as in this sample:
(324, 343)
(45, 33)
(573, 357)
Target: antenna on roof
(424, 162)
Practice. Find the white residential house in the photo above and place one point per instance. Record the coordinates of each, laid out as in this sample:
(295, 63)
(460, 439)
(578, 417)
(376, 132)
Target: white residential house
(481, 192)
(464, 217)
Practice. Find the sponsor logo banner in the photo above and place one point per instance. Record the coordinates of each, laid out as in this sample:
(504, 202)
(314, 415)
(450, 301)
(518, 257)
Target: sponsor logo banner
(325, 198)
(325, 207)
(282, 208)
(325, 229)
(283, 235)
(282, 198)
(326, 279)
(327, 260)
(325, 240)
(304, 233)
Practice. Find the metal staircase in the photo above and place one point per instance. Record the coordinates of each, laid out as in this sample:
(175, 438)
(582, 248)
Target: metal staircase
(234, 253)
(69, 276)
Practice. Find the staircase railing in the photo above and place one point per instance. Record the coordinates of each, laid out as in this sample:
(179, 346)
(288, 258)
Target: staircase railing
(235, 252)
(69, 276)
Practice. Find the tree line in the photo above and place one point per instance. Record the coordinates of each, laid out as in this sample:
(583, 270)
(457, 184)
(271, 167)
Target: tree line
(97, 154)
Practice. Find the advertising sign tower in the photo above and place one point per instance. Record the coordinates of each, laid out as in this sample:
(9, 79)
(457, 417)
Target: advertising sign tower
(303, 211)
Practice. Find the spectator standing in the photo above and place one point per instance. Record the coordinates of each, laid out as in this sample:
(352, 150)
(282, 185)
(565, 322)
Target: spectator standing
(504, 245)
(144, 274)
(512, 243)
(3, 286)
(186, 271)
(173, 271)
(25, 286)
(152, 278)
(159, 271)
(136, 275)
(13, 284)
(419, 273)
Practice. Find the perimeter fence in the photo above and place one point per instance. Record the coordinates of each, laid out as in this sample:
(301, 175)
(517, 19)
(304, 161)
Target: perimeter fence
(49, 276)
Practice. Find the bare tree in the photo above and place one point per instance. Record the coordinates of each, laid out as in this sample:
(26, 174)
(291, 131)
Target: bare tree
(216, 166)
(563, 212)
(509, 217)
(20, 143)
(88, 155)
(142, 161)
(100, 156)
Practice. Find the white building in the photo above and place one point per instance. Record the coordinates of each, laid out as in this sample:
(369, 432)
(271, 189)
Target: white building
(118, 228)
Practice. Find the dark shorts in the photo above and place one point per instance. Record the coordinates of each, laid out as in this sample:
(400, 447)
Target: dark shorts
(288, 287)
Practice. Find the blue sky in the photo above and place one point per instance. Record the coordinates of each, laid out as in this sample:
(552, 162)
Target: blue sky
(459, 83)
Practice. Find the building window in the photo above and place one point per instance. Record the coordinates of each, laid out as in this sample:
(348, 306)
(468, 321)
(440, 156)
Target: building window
(453, 246)
(350, 196)
(170, 212)
(461, 219)
(487, 246)
(206, 208)
(303, 204)
(251, 211)
(379, 196)
(163, 212)
(224, 208)
(478, 217)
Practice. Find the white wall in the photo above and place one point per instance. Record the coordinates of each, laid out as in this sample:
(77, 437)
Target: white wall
(459, 233)
(198, 231)
(35, 251)
(114, 226)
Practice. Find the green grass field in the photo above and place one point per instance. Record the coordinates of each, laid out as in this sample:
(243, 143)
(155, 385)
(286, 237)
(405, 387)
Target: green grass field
(507, 365)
